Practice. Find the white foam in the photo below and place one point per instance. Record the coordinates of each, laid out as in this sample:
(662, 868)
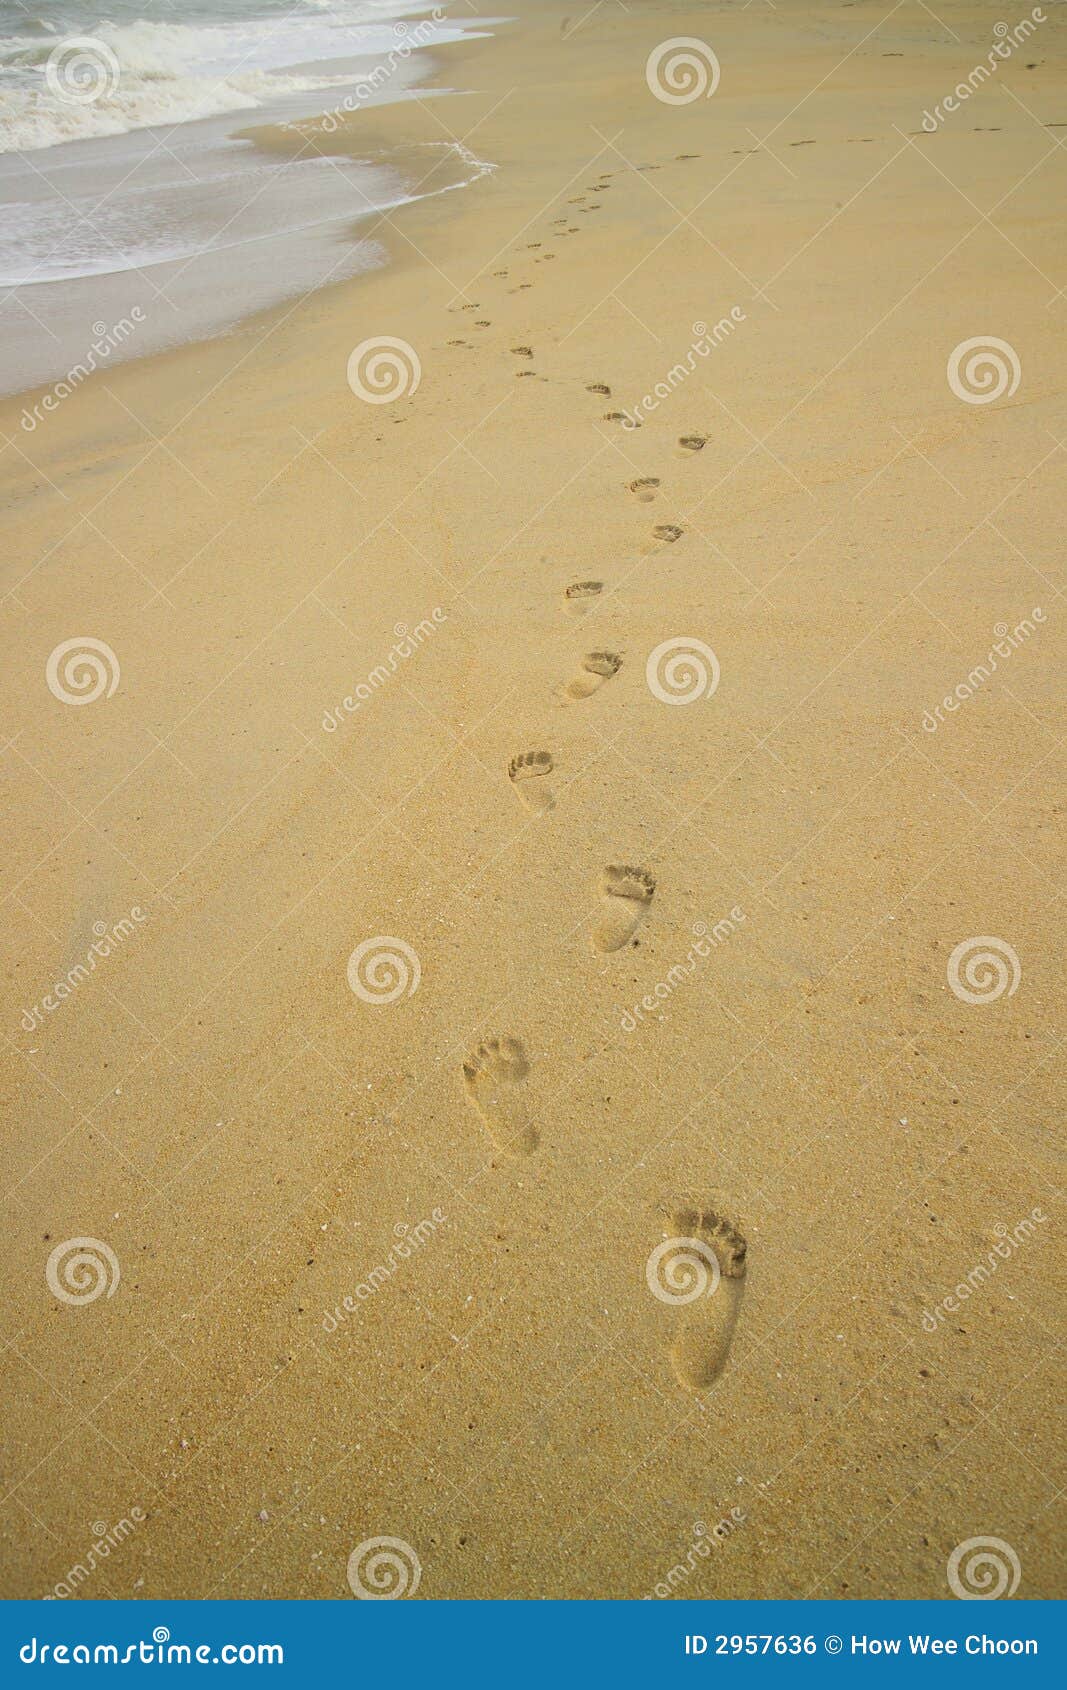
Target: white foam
(170, 73)
(28, 124)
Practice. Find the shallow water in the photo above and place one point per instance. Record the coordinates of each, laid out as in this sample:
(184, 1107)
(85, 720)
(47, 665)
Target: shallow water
(134, 220)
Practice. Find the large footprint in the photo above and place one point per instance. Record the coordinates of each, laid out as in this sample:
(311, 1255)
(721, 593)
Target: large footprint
(627, 893)
(493, 1076)
(700, 1267)
(597, 667)
(526, 772)
(579, 596)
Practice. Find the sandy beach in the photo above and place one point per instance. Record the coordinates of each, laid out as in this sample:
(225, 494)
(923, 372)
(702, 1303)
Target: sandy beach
(549, 828)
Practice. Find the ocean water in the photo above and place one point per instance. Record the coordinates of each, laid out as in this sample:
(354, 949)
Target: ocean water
(70, 71)
(123, 184)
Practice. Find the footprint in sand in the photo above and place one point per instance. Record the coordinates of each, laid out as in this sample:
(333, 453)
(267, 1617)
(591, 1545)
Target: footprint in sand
(668, 532)
(627, 893)
(523, 351)
(525, 773)
(579, 596)
(700, 1269)
(493, 1076)
(599, 387)
(644, 488)
(597, 667)
(692, 442)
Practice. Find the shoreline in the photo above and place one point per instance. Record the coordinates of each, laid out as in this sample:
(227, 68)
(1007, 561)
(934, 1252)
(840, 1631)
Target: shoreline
(451, 956)
(132, 292)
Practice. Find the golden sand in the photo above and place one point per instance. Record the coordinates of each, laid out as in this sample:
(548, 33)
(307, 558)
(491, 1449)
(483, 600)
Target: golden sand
(661, 969)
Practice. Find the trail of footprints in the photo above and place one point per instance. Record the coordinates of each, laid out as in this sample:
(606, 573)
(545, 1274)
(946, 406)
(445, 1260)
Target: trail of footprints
(495, 1072)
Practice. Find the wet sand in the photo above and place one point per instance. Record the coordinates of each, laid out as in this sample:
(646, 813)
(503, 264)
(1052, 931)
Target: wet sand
(542, 859)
